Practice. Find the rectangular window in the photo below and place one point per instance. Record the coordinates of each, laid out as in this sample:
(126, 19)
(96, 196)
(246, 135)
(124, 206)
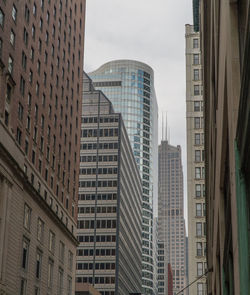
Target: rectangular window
(197, 140)
(1, 18)
(196, 89)
(61, 251)
(198, 172)
(25, 254)
(196, 106)
(14, 13)
(197, 123)
(197, 155)
(198, 229)
(40, 230)
(199, 248)
(196, 75)
(196, 59)
(51, 242)
(199, 268)
(69, 286)
(195, 43)
(60, 282)
(50, 273)
(12, 38)
(198, 190)
(38, 264)
(27, 216)
(10, 64)
(70, 260)
(198, 210)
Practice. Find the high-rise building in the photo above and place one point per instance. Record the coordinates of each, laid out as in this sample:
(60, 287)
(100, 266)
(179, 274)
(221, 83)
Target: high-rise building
(41, 57)
(110, 200)
(195, 164)
(225, 32)
(171, 223)
(130, 87)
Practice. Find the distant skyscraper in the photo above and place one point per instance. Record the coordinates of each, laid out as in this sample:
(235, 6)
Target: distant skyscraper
(110, 201)
(171, 223)
(130, 87)
(40, 113)
(195, 164)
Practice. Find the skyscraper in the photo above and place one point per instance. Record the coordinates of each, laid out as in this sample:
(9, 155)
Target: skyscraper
(171, 223)
(195, 164)
(110, 200)
(41, 57)
(130, 87)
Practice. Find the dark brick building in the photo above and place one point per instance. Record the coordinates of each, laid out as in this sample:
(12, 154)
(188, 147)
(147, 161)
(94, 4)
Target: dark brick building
(41, 60)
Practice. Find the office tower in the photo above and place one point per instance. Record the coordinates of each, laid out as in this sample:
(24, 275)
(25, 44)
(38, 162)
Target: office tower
(225, 53)
(110, 200)
(130, 87)
(171, 228)
(40, 108)
(195, 163)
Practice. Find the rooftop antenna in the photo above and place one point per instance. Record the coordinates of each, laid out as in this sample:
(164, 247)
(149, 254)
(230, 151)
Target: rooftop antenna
(169, 133)
(166, 130)
(162, 130)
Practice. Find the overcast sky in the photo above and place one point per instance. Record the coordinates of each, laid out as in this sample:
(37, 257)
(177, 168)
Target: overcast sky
(152, 32)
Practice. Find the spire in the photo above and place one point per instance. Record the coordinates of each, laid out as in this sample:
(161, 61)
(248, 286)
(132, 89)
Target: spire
(166, 130)
(162, 130)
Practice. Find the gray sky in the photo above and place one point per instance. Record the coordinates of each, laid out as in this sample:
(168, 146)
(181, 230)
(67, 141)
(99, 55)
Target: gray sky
(152, 32)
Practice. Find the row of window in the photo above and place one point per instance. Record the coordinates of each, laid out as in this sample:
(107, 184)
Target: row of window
(102, 132)
(101, 146)
(86, 120)
(88, 210)
(101, 158)
(98, 252)
(99, 238)
(100, 183)
(87, 266)
(92, 197)
(94, 171)
(90, 224)
(98, 280)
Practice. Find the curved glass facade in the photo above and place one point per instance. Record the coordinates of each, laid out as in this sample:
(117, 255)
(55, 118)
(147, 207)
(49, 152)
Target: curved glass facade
(130, 87)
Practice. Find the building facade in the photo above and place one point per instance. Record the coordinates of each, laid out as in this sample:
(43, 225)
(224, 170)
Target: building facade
(195, 164)
(171, 228)
(225, 43)
(110, 200)
(40, 111)
(130, 87)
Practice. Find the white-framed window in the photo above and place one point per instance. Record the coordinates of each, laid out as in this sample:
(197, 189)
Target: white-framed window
(198, 172)
(198, 209)
(197, 106)
(198, 190)
(196, 59)
(197, 156)
(197, 139)
(199, 268)
(199, 249)
(198, 229)
(196, 75)
(196, 89)
(195, 43)
(197, 122)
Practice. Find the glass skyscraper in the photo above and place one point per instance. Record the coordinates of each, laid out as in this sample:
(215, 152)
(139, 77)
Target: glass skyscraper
(130, 87)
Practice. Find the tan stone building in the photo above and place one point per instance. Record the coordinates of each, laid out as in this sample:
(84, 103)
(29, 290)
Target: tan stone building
(195, 164)
(41, 57)
(225, 32)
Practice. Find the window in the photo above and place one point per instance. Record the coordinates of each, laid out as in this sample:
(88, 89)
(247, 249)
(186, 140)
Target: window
(196, 106)
(196, 59)
(1, 47)
(195, 43)
(24, 60)
(197, 123)
(198, 172)
(198, 190)
(22, 85)
(196, 74)
(1, 18)
(199, 248)
(61, 251)
(198, 207)
(199, 268)
(38, 264)
(198, 229)
(50, 273)
(37, 291)
(12, 38)
(40, 230)
(70, 260)
(196, 89)
(14, 13)
(60, 282)
(10, 64)
(200, 289)
(25, 36)
(69, 286)
(27, 14)
(25, 254)
(51, 242)
(197, 155)
(33, 32)
(27, 216)
(197, 140)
